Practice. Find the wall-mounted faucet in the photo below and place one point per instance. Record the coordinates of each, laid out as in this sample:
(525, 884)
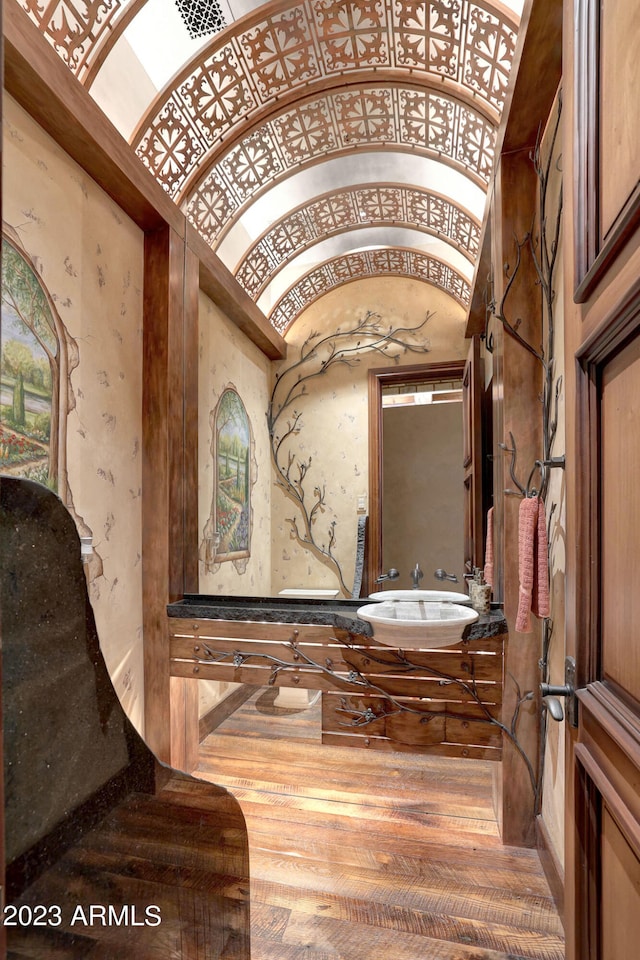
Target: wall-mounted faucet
(391, 574)
(416, 576)
(443, 575)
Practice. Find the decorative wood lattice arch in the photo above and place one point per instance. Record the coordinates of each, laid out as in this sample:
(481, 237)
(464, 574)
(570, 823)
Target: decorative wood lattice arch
(357, 266)
(365, 205)
(296, 84)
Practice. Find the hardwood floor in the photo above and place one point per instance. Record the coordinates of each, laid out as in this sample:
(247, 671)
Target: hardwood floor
(374, 856)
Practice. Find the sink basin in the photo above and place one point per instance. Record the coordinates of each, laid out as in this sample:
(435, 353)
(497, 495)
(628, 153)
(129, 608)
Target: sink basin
(428, 595)
(417, 624)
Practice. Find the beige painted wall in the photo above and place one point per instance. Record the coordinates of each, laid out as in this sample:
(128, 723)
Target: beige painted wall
(423, 493)
(334, 431)
(228, 358)
(90, 258)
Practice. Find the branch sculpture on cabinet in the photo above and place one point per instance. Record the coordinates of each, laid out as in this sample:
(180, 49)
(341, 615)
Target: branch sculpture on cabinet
(400, 665)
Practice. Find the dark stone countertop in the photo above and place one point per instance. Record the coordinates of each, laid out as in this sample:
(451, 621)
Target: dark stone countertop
(333, 613)
(336, 613)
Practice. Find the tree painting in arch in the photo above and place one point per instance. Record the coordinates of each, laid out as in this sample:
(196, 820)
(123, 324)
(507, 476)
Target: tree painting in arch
(227, 534)
(36, 358)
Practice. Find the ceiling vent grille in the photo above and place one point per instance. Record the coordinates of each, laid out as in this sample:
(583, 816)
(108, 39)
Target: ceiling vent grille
(201, 16)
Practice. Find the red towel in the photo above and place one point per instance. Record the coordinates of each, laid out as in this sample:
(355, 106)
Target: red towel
(533, 565)
(540, 604)
(488, 549)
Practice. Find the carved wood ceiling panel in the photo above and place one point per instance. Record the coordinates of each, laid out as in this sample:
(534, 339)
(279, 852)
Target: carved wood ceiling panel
(349, 209)
(465, 48)
(298, 83)
(75, 30)
(359, 266)
(379, 117)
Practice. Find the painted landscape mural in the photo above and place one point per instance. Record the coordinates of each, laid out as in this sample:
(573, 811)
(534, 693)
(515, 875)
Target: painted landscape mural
(32, 359)
(227, 534)
(232, 475)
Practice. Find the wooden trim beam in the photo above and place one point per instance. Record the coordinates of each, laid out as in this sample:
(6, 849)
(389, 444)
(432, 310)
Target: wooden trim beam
(537, 72)
(223, 710)
(482, 283)
(221, 286)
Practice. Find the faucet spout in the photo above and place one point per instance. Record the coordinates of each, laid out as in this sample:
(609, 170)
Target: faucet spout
(416, 576)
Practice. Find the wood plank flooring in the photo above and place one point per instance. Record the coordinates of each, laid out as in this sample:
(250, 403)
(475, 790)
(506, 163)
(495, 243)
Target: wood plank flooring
(374, 856)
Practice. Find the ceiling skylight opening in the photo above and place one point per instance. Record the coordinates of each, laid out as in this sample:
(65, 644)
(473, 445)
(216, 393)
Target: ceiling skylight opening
(516, 5)
(160, 39)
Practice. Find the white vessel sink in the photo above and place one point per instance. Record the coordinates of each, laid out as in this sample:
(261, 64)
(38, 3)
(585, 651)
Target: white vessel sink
(417, 624)
(432, 596)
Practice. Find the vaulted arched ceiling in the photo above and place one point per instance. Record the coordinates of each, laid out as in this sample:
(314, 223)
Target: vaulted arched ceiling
(309, 142)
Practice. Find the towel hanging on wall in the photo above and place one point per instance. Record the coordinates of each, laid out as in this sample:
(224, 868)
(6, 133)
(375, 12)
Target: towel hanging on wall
(533, 564)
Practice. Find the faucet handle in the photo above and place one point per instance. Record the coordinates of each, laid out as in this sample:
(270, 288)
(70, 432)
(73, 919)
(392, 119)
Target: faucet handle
(391, 574)
(441, 574)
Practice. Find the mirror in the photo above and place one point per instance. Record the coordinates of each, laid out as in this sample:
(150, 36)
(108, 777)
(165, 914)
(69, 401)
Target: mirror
(317, 465)
(416, 499)
(422, 501)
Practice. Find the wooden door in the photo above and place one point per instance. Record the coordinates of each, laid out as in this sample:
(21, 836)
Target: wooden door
(605, 793)
(602, 869)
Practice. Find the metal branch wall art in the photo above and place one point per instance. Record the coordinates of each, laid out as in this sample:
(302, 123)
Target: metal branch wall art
(543, 250)
(318, 355)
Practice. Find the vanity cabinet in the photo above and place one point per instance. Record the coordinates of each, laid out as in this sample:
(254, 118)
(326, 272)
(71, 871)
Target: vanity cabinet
(443, 701)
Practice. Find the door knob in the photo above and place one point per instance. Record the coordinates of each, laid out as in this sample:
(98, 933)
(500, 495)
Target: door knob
(567, 690)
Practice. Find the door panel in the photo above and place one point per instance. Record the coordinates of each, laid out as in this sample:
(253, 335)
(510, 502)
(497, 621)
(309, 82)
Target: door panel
(619, 76)
(606, 867)
(620, 472)
(607, 862)
(620, 886)
(606, 73)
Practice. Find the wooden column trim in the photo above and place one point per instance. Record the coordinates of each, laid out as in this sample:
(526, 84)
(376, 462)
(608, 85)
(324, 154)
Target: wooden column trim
(520, 415)
(188, 478)
(184, 724)
(374, 544)
(169, 470)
